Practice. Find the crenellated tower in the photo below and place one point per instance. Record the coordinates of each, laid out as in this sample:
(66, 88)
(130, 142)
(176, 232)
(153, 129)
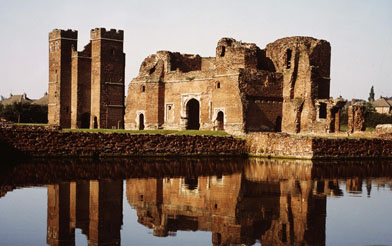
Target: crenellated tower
(107, 78)
(61, 43)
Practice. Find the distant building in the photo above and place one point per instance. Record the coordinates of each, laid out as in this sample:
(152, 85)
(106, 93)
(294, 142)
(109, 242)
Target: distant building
(16, 99)
(383, 105)
(43, 101)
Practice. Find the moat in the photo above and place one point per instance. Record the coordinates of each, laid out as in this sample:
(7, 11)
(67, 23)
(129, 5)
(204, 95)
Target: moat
(195, 202)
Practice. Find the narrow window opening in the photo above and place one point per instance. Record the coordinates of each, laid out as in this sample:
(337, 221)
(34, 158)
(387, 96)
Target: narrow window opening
(222, 54)
(216, 206)
(284, 233)
(142, 88)
(218, 85)
(219, 238)
(288, 58)
(323, 111)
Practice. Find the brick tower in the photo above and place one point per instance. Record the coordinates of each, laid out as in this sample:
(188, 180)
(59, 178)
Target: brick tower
(61, 43)
(107, 78)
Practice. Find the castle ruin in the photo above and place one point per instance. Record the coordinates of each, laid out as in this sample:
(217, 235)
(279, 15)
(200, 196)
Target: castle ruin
(282, 88)
(86, 89)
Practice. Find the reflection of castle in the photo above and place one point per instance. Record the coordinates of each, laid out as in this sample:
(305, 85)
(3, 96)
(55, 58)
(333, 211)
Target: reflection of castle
(237, 209)
(93, 206)
(273, 202)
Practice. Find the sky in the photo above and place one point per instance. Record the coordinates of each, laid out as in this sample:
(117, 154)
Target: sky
(360, 33)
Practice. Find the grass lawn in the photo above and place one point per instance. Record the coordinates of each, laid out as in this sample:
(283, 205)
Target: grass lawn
(30, 124)
(163, 132)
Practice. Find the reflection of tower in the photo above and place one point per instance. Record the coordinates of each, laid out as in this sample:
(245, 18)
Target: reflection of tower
(93, 206)
(105, 212)
(59, 231)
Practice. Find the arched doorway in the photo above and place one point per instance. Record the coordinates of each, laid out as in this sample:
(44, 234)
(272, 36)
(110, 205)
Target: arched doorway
(85, 121)
(220, 121)
(193, 115)
(141, 121)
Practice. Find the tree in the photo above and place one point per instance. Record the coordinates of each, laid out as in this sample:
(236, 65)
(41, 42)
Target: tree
(371, 95)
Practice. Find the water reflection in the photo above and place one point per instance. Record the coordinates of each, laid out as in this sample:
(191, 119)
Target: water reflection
(271, 202)
(263, 203)
(95, 207)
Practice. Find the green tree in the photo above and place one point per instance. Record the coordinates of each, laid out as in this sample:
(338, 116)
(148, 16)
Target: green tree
(371, 95)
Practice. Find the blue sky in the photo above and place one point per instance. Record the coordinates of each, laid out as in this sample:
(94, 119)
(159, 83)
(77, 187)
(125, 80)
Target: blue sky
(360, 33)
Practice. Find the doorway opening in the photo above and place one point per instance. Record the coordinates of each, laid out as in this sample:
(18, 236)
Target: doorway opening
(141, 121)
(85, 121)
(220, 121)
(193, 115)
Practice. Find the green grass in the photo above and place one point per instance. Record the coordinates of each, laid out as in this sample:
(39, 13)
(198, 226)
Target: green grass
(30, 124)
(201, 132)
(343, 128)
(163, 132)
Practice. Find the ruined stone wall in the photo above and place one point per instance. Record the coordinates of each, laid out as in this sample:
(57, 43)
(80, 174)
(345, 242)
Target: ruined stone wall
(284, 145)
(162, 96)
(305, 65)
(356, 118)
(184, 63)
(37, 141)
(261, 92)
(61, 43)
(279, 145)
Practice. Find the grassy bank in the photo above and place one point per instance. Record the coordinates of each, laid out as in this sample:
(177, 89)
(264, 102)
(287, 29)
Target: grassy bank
(163, 132)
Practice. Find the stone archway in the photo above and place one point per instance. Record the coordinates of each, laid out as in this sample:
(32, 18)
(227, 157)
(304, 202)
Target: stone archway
(220, 121)
(193, 115)
(141, 121)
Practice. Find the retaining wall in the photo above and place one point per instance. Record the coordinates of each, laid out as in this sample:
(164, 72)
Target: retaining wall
(41, 142)
(306, 147)
(44, 142)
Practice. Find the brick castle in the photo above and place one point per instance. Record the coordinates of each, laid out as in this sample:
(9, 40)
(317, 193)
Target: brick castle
(284, 87)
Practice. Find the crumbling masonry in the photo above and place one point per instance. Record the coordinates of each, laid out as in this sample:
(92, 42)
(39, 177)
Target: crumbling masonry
(86, 89)
(284, 87)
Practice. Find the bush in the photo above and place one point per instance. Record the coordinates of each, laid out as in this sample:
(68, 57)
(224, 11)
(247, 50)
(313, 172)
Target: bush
(372, 119)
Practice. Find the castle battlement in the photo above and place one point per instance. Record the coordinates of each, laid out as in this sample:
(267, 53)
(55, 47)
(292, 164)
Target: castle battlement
(59, 33)
(102, 33)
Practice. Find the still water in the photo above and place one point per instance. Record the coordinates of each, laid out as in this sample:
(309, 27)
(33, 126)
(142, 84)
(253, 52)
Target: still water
(196, 202)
